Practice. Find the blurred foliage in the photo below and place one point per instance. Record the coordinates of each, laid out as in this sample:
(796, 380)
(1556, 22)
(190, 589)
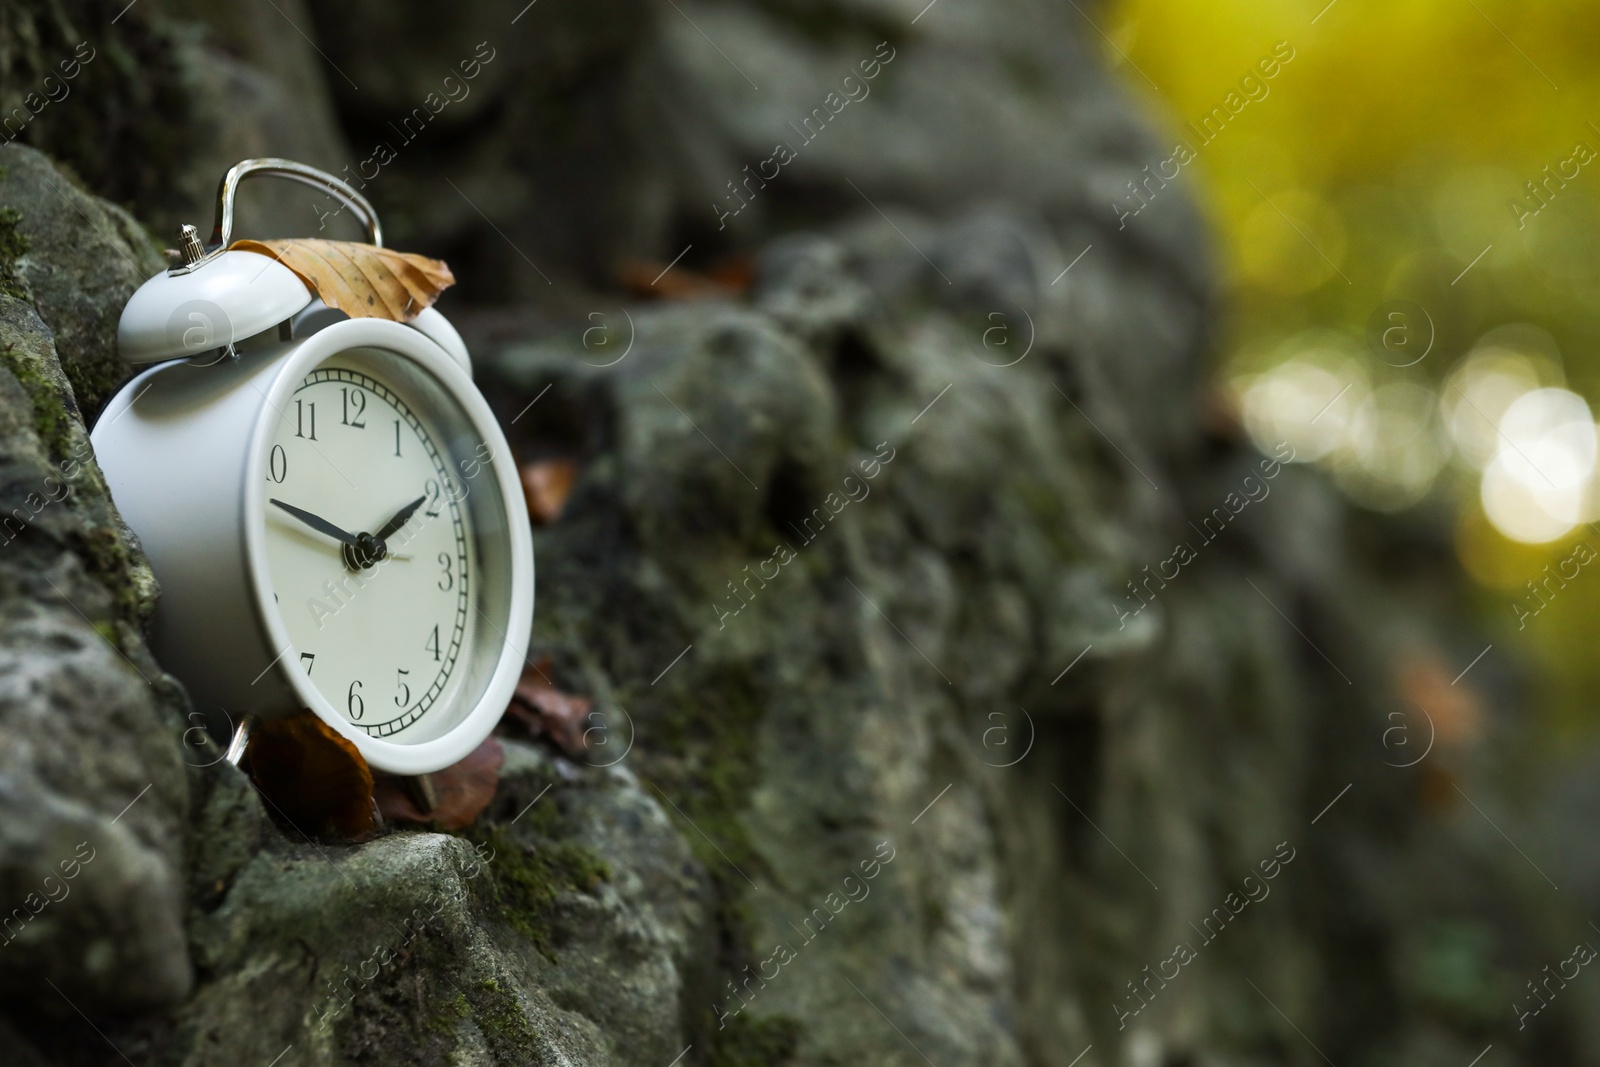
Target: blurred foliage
(1378, 165)
(1451, 968)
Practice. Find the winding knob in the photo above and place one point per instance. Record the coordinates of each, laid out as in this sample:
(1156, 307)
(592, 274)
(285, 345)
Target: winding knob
(189, 245)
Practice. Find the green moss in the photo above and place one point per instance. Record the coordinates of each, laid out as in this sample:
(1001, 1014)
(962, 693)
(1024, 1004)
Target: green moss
(56, 420)
(1030, 76)
(755, 1042)
(503, 1022)
(836, 24)
(53, 410)
(935, 916)
(526, 880)
(13, 246)
(108, 559)
(707, 768)
(711, 731)
(100, 547)
(1452, 970)
(449, 1014)
(386, 1023)
(48, 415)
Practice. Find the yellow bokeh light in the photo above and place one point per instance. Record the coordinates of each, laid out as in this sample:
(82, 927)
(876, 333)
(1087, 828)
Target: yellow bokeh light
(1291, 243)
(1428, 151)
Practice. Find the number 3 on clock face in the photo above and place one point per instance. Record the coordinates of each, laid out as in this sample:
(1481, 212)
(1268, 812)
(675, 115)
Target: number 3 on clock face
(380, 625)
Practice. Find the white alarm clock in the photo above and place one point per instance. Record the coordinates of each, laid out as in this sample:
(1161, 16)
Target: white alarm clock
(328, 504)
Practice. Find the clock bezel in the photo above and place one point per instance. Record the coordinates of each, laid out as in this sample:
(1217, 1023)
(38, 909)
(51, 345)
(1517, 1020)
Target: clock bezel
(478, 722)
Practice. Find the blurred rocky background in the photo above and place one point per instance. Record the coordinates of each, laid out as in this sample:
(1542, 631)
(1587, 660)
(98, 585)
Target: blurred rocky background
(955, 783)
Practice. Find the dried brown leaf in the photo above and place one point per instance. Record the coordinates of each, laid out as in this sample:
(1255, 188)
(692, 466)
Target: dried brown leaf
(361, 280)
(653, 278)
(548, 712)
(462, 790)
(312, 777)
(547, 483)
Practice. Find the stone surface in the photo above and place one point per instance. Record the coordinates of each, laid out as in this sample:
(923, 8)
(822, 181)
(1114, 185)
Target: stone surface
(91, 773)
(560, 932)
(159, 104)
(77, 288)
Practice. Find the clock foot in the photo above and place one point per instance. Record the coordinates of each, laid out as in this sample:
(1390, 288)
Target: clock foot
(422, 793)
(241, 739)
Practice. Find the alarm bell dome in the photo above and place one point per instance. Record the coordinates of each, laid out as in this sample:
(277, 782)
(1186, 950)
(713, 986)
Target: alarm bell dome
(208, 304)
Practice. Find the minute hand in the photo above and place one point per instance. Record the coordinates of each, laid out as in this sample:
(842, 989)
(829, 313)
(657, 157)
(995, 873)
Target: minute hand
(401, 517)
(318, 523)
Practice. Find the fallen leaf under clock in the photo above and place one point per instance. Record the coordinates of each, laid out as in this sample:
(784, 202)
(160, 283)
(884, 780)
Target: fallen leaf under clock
(462, 790)
(729, 278)
(547, 483)
(312, 777)
(548, 712)
(361, 280)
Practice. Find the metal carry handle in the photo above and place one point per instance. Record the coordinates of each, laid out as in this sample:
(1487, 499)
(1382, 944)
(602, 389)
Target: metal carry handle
(222, 232)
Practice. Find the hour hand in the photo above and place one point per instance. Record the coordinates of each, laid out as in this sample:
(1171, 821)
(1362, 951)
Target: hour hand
(401, 517)
(318, 523)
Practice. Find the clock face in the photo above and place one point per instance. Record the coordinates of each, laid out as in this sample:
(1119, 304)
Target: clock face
(378, 530)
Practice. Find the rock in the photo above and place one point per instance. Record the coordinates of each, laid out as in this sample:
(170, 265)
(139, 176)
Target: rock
(95, 904)
(561, 104)
(254, 89)
(160, 105)
(737, 458)
(561, 934)
(94, 790)
(21, 1052)
(78, 260)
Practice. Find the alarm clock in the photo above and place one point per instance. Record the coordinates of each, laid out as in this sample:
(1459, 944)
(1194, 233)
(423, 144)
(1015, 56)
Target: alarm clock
(328, 503)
